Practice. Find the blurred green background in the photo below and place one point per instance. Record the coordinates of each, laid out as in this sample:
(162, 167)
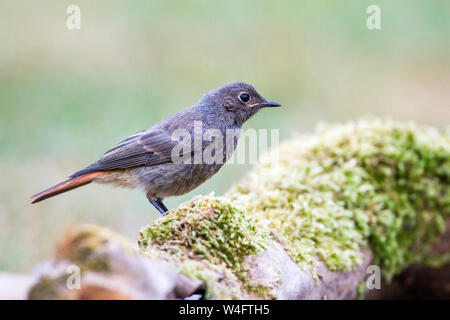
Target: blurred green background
(67, 96)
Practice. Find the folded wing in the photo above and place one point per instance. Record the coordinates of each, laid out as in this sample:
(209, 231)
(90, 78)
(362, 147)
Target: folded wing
(145, 148)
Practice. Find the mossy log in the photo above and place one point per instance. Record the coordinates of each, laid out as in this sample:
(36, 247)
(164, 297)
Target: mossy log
(305, 224)
(421, 281)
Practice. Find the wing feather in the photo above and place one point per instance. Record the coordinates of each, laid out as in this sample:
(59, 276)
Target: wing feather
(146, 148)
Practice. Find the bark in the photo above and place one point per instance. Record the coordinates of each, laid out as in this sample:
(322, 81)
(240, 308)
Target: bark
(127, 274)
(132, 275)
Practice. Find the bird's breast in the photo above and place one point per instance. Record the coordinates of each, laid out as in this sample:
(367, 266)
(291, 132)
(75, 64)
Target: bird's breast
(174, 179)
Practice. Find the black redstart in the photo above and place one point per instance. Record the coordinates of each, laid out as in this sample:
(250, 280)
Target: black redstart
(167, 160)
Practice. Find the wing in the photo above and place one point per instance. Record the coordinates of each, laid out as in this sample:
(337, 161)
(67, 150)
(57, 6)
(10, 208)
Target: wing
(145, 148)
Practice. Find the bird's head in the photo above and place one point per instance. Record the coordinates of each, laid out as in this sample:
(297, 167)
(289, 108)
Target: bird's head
(238, 101)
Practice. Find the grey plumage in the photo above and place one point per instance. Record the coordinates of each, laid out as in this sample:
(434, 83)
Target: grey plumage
(144, 160)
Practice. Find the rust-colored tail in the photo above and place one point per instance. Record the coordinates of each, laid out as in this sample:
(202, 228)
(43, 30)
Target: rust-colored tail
(67, 185)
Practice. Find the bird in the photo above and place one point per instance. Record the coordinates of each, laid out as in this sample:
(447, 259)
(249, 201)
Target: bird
(169, 158)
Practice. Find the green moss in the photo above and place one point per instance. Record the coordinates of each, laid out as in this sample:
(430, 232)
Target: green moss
(437, 262)
(83, 246)
(219, 281)
(47, 288)
(211, 231)
(361, 290)
(378, 183)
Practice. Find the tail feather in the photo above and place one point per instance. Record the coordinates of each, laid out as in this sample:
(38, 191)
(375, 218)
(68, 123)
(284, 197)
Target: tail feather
(67, 185)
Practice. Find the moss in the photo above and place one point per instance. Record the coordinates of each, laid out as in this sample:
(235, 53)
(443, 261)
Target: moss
(82, 245)
(47, 288)
(219, 281)
(378, 183)
(212, 232)
(361, 290)
(437, 262)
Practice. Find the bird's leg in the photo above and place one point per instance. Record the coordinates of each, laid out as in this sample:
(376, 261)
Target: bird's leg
(159, 206)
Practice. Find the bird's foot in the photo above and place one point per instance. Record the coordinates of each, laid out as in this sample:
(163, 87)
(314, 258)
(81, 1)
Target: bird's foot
(159, 206)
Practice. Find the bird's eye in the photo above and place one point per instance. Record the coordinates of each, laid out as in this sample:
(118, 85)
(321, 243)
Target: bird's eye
(244, 97)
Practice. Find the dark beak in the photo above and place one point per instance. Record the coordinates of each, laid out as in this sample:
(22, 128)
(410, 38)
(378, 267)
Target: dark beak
(269, 104)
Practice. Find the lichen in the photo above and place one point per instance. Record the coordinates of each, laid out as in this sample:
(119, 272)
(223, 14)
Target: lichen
(214, 236)
(381, 184)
